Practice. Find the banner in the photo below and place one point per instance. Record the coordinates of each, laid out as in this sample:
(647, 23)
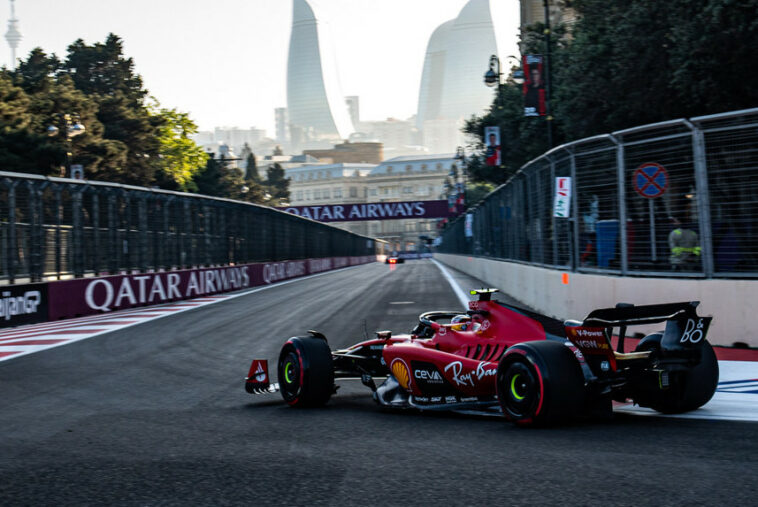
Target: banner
(562, 201)
(371, 211)
(492, 139)
(23, 304)
(85, 296)
(534, 85)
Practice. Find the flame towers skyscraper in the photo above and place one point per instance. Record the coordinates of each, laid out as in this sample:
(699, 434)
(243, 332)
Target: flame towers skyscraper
(451, 83)
(315, 103)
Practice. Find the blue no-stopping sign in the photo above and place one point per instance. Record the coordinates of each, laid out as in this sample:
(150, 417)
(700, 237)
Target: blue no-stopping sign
(650, 180)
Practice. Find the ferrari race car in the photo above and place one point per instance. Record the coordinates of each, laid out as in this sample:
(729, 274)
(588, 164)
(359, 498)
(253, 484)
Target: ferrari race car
(394, 258)
(497, 358)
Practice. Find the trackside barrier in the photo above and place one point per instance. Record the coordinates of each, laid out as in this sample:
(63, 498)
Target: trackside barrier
(33, 303)
(677, 199)
(57, 228)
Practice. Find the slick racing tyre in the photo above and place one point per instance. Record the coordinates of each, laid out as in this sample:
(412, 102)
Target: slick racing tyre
(306, 374)
(690, 389)
(540, 383)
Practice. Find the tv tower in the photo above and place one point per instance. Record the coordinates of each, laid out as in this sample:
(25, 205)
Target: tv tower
(13, 36)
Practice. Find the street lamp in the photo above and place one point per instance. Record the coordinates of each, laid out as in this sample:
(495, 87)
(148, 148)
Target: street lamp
(73, 127)
(548, 85)
(493, 76)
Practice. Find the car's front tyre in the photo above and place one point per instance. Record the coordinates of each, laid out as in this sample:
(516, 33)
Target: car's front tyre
(306, 372)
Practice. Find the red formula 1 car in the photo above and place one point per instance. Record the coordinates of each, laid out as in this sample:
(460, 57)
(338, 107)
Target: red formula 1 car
(497, 358)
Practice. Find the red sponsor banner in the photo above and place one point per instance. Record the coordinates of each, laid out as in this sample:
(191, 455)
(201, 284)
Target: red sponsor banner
(85, 296)
(371, 211)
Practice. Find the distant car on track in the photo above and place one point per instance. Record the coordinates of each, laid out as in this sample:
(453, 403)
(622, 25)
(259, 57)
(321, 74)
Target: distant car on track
(394, 258)
(498, 358)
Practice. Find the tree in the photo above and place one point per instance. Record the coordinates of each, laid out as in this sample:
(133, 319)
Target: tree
(38, 72)
(101, 72)
(251, 169)
(627, 64)
(277, 185)
(180, 158)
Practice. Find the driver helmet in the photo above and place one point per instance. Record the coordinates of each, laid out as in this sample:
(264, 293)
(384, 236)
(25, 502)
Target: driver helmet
(460, 322)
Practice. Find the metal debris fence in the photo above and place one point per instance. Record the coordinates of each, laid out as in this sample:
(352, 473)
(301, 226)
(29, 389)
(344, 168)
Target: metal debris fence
(53, 228)
(636, 194)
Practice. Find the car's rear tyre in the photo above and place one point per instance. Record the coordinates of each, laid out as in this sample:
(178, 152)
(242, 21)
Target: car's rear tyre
(306, 373)
(689, 390)
(540, 383)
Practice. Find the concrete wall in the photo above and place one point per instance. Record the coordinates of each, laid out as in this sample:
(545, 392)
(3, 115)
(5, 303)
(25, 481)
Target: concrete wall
(730, 302)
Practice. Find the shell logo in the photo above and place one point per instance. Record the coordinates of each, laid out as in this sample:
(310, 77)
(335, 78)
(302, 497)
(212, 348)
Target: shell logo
(401, 373)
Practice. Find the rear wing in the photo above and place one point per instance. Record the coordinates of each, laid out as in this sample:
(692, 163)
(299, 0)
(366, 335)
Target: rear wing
(629, 315)
(684, 334)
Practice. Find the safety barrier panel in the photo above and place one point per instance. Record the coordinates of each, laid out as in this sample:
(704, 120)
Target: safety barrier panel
(40, 302)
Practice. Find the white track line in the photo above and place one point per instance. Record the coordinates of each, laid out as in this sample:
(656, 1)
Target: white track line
(459, 292)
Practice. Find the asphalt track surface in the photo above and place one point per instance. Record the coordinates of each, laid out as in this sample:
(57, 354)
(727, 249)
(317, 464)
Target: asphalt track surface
(156, 414)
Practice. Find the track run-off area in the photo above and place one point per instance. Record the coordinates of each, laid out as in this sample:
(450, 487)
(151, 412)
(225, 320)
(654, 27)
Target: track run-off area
(147, 407)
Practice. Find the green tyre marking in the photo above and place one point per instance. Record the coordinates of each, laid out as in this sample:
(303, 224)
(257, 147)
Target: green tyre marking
(513, 387)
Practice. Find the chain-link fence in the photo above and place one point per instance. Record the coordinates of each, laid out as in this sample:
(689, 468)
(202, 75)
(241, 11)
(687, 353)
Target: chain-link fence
(678, 198)
(52, 228)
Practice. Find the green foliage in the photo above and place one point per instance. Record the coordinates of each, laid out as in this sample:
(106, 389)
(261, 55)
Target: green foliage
(180, 158)
(277, 185)
(627, 64)
(477, 191)
(251, 171)
(126, 140)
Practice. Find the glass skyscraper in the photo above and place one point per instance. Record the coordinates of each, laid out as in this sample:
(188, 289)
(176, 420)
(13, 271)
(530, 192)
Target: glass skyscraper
(315, 103)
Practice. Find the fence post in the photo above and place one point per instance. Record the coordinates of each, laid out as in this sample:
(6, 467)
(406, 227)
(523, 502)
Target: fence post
(142, 232)
(703, 198)
(112, 234)
(95, 212)
(58, 220)
(574, 212)
(168, 242)
(12, 246)
(207, 235)
(77, 232)
(35, 225)
(550, 210)
(620, 169)
(187, 260)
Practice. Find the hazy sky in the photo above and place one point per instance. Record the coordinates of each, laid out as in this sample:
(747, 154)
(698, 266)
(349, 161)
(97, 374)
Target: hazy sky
(225, 61)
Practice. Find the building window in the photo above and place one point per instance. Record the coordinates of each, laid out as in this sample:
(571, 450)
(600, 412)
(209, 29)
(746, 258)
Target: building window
(299, 195)
(423, 168)
(317, 194)
(407, 190)
(410, 226)
(353, 191)
(385, 190)
(439, 166)
(389, 169)
(372, 191)
(408, 168)
(326, 194)
(307, 195)
(337, 192)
